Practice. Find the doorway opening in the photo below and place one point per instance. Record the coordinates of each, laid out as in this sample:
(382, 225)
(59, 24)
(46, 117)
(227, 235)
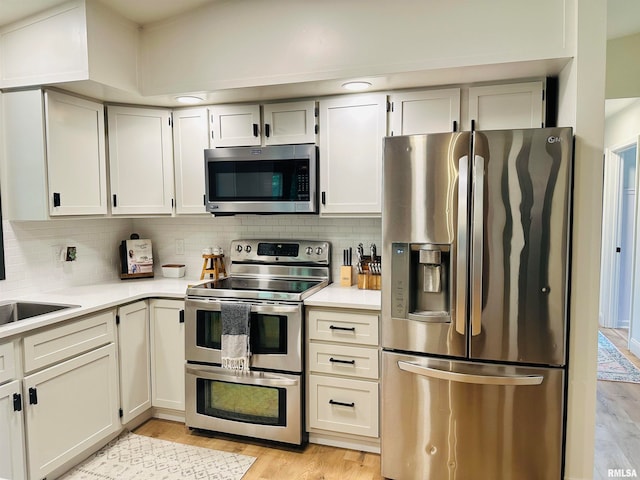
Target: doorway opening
(618, 237)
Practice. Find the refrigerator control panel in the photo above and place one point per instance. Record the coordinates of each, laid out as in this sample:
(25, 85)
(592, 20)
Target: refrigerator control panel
(400, 256)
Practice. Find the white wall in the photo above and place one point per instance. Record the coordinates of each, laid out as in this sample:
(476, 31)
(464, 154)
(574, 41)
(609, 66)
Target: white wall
(31, 248)
(583, 89)
(242, 43)
(623, 68)
(624, 126)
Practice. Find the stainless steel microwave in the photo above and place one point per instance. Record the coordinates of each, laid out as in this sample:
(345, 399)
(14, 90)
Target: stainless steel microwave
(273, 179)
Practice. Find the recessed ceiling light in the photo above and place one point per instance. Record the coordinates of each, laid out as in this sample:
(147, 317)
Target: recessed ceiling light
(356, 85)
(189, 99)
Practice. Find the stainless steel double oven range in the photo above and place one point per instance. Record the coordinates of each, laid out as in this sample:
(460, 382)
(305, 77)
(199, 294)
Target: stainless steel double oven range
(274, 276)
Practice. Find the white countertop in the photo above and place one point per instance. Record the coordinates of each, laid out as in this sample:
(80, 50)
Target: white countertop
(92, 298)
(96, 297)
(345, 297)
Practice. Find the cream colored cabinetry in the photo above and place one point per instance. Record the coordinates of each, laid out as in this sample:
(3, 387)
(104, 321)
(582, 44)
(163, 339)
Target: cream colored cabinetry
(343, 375)
(516, 105)
(235, 125)
(140, 160)
(71, 399)
(52, 140)
(134, 358)
(289, 123)
(351, 132)
(12, 448)
(284, 123)
(428, 111)
(190, 139)
(167, 354)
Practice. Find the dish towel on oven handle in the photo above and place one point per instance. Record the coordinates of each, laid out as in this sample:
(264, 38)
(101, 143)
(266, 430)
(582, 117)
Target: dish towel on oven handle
(235, 335)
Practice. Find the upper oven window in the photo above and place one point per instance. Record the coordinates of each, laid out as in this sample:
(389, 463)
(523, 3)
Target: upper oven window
(268, 333)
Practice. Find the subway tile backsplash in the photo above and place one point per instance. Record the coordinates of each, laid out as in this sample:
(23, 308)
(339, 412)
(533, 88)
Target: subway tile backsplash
(32, 249)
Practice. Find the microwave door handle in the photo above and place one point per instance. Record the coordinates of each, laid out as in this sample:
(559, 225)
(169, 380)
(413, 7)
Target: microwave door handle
(254, 378)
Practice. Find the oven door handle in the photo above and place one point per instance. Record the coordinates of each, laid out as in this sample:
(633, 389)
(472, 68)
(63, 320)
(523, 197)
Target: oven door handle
(251, 378)
(215, 306)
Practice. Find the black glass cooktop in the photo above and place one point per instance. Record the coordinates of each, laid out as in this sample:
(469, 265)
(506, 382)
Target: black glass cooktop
(260, 285)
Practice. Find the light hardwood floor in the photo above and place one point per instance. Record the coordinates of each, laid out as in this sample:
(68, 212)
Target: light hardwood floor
(316, 462)
(617, 440)
(617, 418)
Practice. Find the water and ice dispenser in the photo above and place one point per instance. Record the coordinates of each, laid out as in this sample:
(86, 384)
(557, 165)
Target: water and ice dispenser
(420, 281)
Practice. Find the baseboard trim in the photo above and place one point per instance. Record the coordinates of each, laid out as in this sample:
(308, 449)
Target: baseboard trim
(634, 347)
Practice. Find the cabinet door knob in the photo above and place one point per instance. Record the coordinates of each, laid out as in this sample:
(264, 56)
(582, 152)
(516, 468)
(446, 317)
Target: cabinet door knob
(255, 130)
(267, 130)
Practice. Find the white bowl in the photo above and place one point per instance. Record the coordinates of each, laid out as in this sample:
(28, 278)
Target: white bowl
(173, 270)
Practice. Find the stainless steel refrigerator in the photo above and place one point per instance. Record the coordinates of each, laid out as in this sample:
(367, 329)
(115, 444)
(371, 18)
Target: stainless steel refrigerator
(474, 304)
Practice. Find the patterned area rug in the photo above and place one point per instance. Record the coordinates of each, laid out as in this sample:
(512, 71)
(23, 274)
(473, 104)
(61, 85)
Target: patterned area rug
(139, 457)
(613, 365)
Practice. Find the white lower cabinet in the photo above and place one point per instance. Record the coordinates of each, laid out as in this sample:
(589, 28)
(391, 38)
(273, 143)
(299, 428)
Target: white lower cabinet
(12, 454)
(343, 377)
(12, 448)
(167, 353)
(70, 407)
(134, 359)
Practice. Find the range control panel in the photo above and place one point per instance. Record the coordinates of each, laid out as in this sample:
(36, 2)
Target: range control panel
(280, 251)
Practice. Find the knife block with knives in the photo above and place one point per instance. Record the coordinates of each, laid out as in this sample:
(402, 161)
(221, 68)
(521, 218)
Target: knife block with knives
(346, 270)
(369, 269)
(369, 277)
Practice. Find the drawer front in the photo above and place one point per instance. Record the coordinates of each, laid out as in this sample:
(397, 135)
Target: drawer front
(361, 362)
(60, 343)
(7, 362)
(343, 405)
(343, 326)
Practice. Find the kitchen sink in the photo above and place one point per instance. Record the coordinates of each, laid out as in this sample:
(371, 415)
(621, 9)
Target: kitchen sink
(14, 311)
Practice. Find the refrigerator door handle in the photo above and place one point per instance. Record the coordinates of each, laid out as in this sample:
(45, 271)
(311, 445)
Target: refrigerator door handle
(463, 244)
(477, 245)
(507, 380)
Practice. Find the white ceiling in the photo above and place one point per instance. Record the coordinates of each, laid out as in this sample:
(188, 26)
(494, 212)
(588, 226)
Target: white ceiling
(623, 16)
(139, 11)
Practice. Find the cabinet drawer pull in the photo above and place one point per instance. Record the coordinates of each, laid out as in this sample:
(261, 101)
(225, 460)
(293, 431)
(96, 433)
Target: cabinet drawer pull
(342, 404)
(337, 360)
(346, 329)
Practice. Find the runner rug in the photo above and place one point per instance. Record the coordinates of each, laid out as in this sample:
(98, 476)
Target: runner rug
(132, 456)
(613, 365)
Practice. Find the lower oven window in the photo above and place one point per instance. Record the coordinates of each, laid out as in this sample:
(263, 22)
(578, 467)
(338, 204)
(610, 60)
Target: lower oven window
(268, 334)
(254, 404)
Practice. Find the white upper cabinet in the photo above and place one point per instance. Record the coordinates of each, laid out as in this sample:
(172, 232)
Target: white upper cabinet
(190, 139)
(289, 123)
(51, 141)
(141, 160)
(284, 123)
(516, 105)
(75, 150)
(351, 132)
(235, 125)
(429, 111)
